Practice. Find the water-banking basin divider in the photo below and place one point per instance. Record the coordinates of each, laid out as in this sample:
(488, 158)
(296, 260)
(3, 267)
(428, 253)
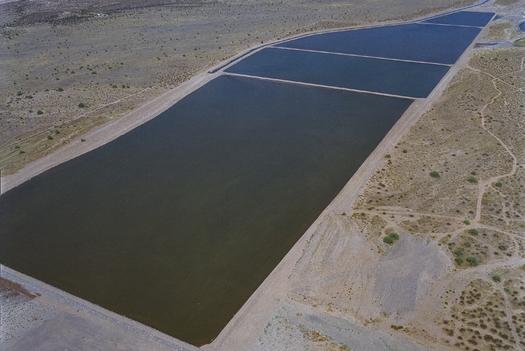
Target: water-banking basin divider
(177, 222)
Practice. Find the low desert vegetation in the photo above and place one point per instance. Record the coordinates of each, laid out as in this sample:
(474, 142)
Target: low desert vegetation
(391, 238)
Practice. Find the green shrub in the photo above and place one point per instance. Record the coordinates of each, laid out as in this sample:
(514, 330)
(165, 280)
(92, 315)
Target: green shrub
(472, 179)
(39, 112)
(496, 278)
(81, 105)
(49, 137)
(19, 93)
(29, 96)
(460, 260)
(387, 156)
(394, 235)
(473, 260)
(391, 238)
(60, 89)
(459, 252)
(498, 184)
(405, 151)
(388, 240)
(473, 231)
(502, 247)
(466, 221)
(435, 174)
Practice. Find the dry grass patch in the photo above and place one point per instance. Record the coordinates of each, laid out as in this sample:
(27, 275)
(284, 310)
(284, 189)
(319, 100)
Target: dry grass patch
(520, 43)
(479, 318)
(484, 245)
(449, 139)
(498, 31)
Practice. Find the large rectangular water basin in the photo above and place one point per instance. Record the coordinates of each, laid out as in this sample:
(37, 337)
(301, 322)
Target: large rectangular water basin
(176, 223)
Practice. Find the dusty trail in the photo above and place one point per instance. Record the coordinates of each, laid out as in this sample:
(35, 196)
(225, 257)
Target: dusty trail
(483, 185)
(511, 322)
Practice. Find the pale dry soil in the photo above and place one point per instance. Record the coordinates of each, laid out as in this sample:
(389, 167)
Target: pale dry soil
(453, 278)
(67, 68)
(38, 317)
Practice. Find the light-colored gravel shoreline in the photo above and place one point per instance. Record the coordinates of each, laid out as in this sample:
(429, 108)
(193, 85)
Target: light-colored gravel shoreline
(48, 304)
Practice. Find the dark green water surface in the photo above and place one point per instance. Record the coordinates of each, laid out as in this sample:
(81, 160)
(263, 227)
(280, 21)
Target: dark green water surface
(176, 223)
